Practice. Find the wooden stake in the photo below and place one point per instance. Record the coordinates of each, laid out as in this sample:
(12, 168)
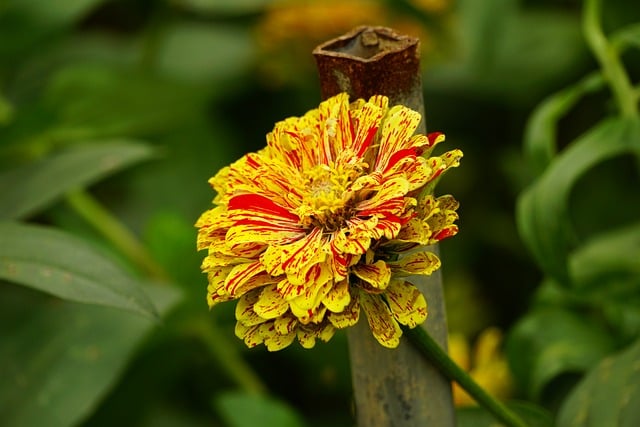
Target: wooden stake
(392, 387)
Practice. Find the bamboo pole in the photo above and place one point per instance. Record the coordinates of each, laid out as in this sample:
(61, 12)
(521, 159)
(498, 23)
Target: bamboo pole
(392, 387)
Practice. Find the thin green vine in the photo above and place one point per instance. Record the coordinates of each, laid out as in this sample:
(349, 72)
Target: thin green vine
(609, 60)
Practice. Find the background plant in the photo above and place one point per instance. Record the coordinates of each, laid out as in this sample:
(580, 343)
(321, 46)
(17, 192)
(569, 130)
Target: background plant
(113, 115)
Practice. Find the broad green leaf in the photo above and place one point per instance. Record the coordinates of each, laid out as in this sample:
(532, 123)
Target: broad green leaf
(551, 341)
(540, 132)
(542, 209)
(62, 265)
(98, 101)
(609, 265)
(476, 416)
(25, 190)
(59, 359)
(201, 52)
(247, 410)
(608, 396)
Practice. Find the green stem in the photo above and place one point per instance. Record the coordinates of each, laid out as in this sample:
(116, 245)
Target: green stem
(609, 60)
(227, 356)
(109, 226)
(6, 111)
(432, 351)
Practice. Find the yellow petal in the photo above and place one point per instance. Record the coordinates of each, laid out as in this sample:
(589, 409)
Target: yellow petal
(414, 231)
(288, 290)
(245, 312)
(309, 302)
(387, 197)
(346, 241)
(244, 277)
(215, 289)
(487, 347)
(307, 334)
(295, 259)
(253, 335)
(275, 341)
(423, 263)
(310, 316)
(395, 134)
(377, 274)
(338, 297)
(383, 326)
(366, 120)
(335, 127)
(406, 303)
(213, 262)
(270, 304)
(347, 317)
(285, 324)
(241, 330)
(459, 350)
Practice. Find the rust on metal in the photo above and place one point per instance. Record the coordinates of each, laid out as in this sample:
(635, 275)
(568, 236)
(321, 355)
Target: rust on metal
(369, 61)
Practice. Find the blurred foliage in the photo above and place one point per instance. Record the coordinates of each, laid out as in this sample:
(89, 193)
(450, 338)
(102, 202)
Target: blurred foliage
(114, 114)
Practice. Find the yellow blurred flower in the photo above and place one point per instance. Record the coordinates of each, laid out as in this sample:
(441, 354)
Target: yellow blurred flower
(290, 29)
(324, 222)
(485, 363)
(314, 21)
(432, 6)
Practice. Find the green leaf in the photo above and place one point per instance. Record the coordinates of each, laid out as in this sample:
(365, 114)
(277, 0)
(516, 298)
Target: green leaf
(543, 211)
(224, 6)
(67, 267)
(626, 37)
(23, 23)
(476, 416)
(608, 265)
(608, 396)
(540, 144)
(548, 342)
(59, 359)
(27, 189)
(201, 52)
(98, 100)
(247, 410)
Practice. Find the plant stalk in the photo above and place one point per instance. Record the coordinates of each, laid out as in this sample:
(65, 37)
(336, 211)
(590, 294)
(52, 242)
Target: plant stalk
(396, 387)
(85, 205)
(438, 357)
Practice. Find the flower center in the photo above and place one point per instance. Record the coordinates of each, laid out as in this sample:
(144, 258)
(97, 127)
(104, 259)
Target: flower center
(326, 195)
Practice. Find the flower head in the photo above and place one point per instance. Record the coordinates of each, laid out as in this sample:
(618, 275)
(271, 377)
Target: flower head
(324, 223)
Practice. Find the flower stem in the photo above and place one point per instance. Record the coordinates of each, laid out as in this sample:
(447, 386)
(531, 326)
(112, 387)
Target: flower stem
(85, 205)
(6, 111)
(432, 351)
(227, 356)
(609, 60)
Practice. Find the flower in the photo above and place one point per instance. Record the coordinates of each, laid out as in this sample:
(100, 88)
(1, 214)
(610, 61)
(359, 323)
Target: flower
(324, 223)
(486, 364)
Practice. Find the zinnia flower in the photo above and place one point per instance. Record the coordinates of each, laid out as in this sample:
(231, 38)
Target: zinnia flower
(328, 220)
